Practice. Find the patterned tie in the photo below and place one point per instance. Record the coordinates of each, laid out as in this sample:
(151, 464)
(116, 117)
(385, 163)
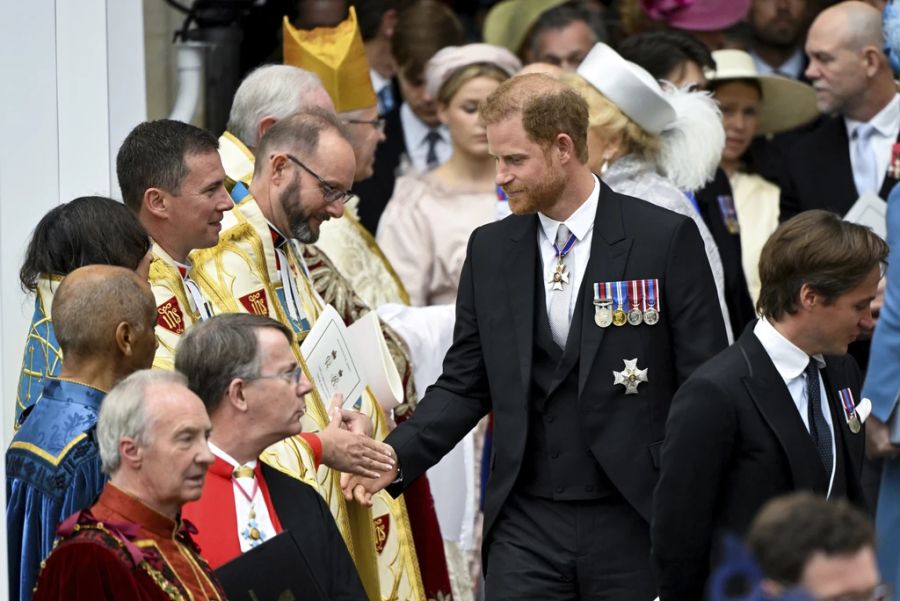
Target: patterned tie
(818, 427)
(558, 311)
(385, 99)
(865, 169)
(433, 137)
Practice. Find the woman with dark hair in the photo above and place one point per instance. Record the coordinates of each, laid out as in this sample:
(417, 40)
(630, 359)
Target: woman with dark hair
(86, 231)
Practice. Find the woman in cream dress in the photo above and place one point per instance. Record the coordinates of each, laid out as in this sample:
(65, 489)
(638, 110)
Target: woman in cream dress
(428, 221)
(754, 104)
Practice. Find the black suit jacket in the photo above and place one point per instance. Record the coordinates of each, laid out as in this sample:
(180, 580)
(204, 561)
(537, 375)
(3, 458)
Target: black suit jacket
(818, 175)
(375, 192)
(301, 510)
(488, 367)
(734, 440)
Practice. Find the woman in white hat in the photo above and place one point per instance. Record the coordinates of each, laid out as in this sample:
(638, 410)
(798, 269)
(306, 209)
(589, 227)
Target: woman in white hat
(427, 223)
(654, 144)
(754, 104)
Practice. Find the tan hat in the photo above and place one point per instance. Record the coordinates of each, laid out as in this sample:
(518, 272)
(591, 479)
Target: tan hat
(786, 103)
(507, 24)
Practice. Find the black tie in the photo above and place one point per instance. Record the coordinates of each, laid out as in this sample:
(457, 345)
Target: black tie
(433, 137)
(818, 427)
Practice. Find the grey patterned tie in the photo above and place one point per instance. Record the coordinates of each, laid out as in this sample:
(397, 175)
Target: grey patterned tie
(432, 137)
(558, 311)
(818, 427)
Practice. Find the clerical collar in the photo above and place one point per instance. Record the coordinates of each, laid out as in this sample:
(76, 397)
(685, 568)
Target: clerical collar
(278, 239)
(580, 222)
(215, 450)
(183, 268)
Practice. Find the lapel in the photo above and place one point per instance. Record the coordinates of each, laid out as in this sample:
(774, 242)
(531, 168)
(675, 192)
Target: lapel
(847, 444)
(609, 255)
(833, 167)
(521, 257)
(771, 397)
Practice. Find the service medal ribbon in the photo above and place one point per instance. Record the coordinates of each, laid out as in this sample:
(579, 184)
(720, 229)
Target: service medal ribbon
(849, 405)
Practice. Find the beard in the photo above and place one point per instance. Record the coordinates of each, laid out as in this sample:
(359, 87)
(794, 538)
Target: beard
(298, 217)
(540, 196)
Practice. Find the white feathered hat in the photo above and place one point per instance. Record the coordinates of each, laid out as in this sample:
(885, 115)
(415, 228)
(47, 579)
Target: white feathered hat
(688, 124)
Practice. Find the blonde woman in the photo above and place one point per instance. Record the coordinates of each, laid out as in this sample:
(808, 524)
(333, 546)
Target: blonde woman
(654, 144)
(427, 222)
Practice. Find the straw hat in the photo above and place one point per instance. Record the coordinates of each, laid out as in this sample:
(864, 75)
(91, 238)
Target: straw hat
(786, 103)
(507, 24)
(629, 87)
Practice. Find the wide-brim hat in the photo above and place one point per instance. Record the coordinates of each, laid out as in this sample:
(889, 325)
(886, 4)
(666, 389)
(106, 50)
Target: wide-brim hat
(507, 24)
(697, 15)
(628, 86)
(786, 103)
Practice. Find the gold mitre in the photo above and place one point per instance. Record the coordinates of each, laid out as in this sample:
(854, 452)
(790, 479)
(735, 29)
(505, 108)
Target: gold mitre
(338, 57)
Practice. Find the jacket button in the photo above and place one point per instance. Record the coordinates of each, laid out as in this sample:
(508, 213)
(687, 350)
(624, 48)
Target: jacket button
(554, 455)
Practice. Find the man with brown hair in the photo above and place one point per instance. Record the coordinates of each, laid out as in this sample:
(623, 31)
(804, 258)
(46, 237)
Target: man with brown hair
(825, 548)
(776, 412)
(579, 404)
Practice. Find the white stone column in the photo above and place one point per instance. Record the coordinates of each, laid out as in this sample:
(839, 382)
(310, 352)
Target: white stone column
(73, 87)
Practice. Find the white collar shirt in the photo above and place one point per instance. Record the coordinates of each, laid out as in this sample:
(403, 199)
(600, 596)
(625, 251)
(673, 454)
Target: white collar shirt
(414, 134)
(790, 362)
(887, 128)
(580, 223)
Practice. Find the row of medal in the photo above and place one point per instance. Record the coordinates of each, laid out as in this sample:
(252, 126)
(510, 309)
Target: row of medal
(631, 301)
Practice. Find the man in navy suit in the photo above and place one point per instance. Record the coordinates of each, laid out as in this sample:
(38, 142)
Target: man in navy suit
(776, 411)
(578, 377)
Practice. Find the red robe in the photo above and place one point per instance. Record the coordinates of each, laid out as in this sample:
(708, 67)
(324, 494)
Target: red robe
(123, 549)
(215, 517)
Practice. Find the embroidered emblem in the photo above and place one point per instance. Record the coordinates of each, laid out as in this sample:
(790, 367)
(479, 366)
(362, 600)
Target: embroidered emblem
(256, 302)
(630, 377)
(170, 317)
(382, 531)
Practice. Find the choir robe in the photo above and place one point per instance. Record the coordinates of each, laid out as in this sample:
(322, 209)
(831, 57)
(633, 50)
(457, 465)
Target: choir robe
(42, 357)
(292, 505)
(52, 471)
(123, 549)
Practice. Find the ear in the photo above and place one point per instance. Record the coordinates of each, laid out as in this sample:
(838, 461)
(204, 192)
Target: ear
(442, 113)
(808, 297)
(264, 124)
(154, 202)
(388, 23)
(281, 169)
(235, 394)
(125, 336)
(771, 588)
(564, 148)
(130, 452)
(872, 59)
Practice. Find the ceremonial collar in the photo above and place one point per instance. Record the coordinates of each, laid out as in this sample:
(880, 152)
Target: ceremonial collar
(225, 463)
(580, 222)
(73, 392)
(116, 500)
(278, 239)
(789, 359)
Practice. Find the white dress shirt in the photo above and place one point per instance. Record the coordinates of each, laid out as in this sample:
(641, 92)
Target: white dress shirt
(792, 67)
(887, 127)
(791, 362)
(242, 506)
(414, 133)
(580, 223)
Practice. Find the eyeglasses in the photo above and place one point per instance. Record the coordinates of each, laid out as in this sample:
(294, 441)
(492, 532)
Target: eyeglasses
(378, 123)
(293, 376)
(329, 192)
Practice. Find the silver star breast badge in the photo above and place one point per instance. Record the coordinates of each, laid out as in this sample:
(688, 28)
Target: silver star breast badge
(559, 278)
(630, 377)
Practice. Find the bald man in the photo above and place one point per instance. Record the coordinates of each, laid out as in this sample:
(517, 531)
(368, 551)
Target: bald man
(104, 318)
(849, 153)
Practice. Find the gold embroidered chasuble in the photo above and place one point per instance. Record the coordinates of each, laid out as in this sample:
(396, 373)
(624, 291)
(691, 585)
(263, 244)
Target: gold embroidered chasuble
(244, 274)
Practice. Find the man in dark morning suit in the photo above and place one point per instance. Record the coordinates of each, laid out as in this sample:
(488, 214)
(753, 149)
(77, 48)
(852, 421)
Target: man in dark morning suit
(776, 412)
(848, 154)
(242, 367)
(575, 454)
